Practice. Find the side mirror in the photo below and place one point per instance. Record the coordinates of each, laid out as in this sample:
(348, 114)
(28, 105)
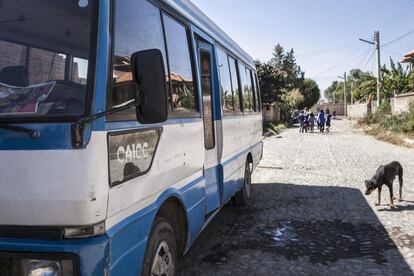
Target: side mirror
(151, 94)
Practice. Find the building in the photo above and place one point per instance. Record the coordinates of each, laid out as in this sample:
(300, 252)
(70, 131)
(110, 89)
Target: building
(409, 58)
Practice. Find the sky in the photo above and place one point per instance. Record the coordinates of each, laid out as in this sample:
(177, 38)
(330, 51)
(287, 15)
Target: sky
(323, 33)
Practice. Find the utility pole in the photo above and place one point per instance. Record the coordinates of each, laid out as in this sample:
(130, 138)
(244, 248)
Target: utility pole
(352, 90)
(345, 98)
(377, 43)
(378, 48)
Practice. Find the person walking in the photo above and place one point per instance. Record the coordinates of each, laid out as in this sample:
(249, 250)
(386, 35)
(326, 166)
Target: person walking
(321, 120)
(334, 113)
(311, 122)
(328, 120)
(305, 122)
(301, 117)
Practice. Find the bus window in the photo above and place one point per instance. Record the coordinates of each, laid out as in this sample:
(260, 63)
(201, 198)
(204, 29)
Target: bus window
(137, 27)
(257, 89)
(235, 84)
(254, 93)
(183, 92)
(225, 81)
(39, 74)
(209, 141)
(246, 88)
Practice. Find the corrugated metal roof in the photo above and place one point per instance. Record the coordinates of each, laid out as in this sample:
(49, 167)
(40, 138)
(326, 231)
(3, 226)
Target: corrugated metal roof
(202, 21)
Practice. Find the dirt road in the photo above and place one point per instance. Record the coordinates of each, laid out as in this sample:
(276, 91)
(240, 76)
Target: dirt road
(309, 214)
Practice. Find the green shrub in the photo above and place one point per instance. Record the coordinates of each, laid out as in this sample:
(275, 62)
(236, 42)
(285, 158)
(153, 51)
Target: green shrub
(396, 123)
(385, 107)
(410, 117)
(382, 111)
(367, 119)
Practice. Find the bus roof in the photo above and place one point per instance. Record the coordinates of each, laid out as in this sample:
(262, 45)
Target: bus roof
(202, 21)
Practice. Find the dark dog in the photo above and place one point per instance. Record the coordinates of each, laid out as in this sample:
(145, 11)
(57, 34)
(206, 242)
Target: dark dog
(385, 175)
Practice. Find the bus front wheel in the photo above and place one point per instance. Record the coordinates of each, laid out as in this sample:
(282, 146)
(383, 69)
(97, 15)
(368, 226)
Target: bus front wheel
(161, 254)
(242, 197)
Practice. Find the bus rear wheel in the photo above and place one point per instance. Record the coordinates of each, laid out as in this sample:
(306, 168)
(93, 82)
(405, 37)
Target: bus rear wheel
(161, 254)
(242, 197)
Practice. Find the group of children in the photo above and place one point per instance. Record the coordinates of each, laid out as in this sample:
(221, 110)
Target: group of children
(307, 121)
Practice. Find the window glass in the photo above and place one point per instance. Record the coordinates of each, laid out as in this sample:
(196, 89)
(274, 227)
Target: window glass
(225, 81)
(235, 84)
(39, 76)
(254, 89)
(183, 92)
(137, 27)
(246, 88)
(205, 71)
(257, 91)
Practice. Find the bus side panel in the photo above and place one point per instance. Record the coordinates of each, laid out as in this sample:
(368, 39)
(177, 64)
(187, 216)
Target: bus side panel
(177, 171)
(129, 238)
(241, 136)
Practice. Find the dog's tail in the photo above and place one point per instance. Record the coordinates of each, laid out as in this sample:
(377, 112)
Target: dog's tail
(400, 174)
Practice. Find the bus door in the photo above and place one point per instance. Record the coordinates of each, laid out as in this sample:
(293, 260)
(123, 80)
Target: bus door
(211, 157)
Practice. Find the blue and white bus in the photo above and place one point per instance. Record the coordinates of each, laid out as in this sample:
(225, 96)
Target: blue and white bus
(125, 125)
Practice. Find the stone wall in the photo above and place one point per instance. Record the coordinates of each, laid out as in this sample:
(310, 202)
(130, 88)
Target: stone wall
(357, 110)
(401, 102)
(271, 113)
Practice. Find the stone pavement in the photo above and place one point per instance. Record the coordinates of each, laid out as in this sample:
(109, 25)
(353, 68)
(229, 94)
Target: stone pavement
(309, 214)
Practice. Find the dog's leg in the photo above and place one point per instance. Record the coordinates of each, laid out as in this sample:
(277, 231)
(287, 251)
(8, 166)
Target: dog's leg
(379, 196)
(400, 180)
(391, 196)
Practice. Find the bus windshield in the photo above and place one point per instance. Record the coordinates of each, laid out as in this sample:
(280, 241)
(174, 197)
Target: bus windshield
(44, 56)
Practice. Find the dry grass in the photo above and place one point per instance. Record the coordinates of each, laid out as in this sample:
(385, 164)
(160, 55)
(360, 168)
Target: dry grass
(386, 136)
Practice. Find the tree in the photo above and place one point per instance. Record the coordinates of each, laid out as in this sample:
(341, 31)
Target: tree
(311, 93)
(396, 80)
(282, 82)
(294, 99)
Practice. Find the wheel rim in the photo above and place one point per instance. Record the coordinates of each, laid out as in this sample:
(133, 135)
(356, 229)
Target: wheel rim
(163, 264)
(248, 181)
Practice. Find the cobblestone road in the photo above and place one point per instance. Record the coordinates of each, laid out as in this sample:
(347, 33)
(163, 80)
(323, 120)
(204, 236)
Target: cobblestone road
(309, 214)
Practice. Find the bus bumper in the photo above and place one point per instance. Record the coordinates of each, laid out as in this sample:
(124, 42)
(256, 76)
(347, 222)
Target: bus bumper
(90, 256)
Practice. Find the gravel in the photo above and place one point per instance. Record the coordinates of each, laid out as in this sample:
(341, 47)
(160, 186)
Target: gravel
(309, 214)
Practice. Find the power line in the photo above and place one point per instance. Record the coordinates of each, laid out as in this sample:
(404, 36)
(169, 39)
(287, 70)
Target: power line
(398, 38)
(366, 57)
(398, 13)
(369, 59)
(346, 58)
(327, 50)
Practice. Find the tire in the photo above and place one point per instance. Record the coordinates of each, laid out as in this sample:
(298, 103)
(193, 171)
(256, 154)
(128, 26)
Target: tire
(243, 196)
(161, 253)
